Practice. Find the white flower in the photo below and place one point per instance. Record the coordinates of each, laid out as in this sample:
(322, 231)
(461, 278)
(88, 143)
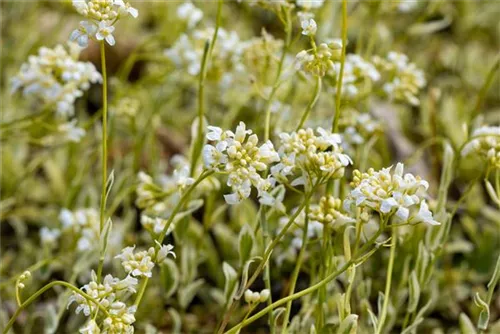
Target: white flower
(239, 156)
(56, 78)
(392, 194)
(70, 132)
(163, 252)
(49, 236)
(425, 215)
(309, 27)
(105, 32)
(136, 264)
(485, 143)
(310, 3)
(90, 328)
(85, 31)
(189, 13)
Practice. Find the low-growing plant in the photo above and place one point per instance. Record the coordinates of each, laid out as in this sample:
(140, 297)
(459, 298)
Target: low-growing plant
(280, 166)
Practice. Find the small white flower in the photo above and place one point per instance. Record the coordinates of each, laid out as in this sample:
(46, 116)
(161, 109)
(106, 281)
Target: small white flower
(189, 13)
(49, 236)
(163, 252)
(85, 31)
(309, 27)
(105, 32)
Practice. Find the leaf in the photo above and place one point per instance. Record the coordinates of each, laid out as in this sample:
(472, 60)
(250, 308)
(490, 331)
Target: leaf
(349, 325)
(491, 191)
(105, 233)
(244, 276)
(169, 274)
(466, 326)
(496, 275)
(109, 184)
(373, 319)
(414, 297)
(430, 27)
(231, 283)
(187, 293)
(176, 321)
(245, 240)
(276, 314)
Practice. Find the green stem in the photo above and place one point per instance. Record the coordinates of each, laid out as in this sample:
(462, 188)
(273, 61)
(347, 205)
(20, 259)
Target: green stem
(267, 253)
(288, 31)
(41, 291)
(309, 290)
(312, 103)
(169, 222)
(296, 271)
(388, 282)
(338, 96)
(201, 110)
(104, 150)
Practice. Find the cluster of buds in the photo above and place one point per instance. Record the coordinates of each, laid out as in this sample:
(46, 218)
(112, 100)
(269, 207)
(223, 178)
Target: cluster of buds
(256, 297)
(403, 80)
(329, 211)
(319, 60)
(485, 142)
(307, 156)
(240, 157)
(391, 194)
(127, 107)
(142, 263)
(101, 16)
(56, 77)
(23, 278)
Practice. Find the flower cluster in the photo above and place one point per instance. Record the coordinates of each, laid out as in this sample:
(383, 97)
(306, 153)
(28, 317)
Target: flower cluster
(357, 73)
(142, 263)
(329, 211)
(238, 155)
(189, 13)
(357, 128)
(56, 77)
(127, 107)
(187, 52)
(101, 16)
(23, 278)
(84, 223)
(256, 297)
(485, 142)
(403, 80)
(310, 4)
(308, 156)
(108, 294)
(319, 60)
(391, 194)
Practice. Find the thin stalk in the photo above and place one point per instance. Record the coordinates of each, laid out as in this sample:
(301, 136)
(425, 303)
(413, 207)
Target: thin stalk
(207, 56)
(41, 291)
(201, 110)
(288, 31)
(296, 271)
(388, 283)
(486, 86)
(169, 222)
(338, 97)
(312, 103)
(310, 289)
(267, 253)
(104, 151)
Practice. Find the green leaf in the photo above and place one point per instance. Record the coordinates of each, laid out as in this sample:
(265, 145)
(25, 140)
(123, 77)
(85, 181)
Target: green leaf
(187, 293)
(414, 297)
(109, 184)
(231, 283)
(169, 276)
(466, 326)
(176, 321)
(349, 325)
(245, 240)
(105, 233)
(244, 276)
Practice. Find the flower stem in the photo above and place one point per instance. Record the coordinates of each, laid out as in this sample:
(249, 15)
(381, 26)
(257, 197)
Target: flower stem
(104, 150)
(41, 291)
(338, 96)
(310, 289)
(288, 31)
(388, 282)
(312, 103)
(296, 271)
